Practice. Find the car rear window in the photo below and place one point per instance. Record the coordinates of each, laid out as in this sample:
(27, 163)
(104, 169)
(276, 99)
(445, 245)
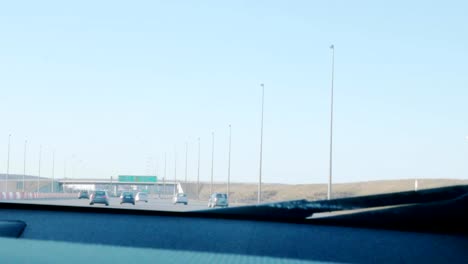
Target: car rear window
(100, 193)
(220, 195)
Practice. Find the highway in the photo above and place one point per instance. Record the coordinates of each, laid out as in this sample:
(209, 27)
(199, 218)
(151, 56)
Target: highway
(153, 204)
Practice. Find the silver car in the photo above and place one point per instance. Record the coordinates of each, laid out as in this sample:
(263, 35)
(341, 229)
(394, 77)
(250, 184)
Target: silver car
(99, 197)
(180, 198)
(218, 199)
(141, 197)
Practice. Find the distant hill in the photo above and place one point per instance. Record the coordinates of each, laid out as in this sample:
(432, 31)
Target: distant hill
(247, 193)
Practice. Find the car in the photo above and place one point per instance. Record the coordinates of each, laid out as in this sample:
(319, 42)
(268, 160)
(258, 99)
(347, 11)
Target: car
(218, 199)
(180, 198)
(83, 195)
(127, 197)
(99, 197)
(141, 197)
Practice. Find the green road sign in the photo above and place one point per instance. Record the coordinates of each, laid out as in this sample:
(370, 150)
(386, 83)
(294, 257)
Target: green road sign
(134, 178)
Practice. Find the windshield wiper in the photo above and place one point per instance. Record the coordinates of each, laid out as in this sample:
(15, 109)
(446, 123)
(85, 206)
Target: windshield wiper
(438, 210)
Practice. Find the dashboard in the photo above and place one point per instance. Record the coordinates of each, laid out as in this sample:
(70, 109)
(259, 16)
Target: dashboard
(74, 234)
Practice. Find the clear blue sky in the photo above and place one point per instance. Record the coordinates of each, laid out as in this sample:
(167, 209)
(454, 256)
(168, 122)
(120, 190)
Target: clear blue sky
(113, 85)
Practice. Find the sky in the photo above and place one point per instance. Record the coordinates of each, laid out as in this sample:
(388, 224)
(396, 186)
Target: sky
(119, 87)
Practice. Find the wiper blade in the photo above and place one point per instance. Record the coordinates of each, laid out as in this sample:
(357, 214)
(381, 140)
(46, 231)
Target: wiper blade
(389, 199)
(447, 216)
(302, 209)
(292, 210)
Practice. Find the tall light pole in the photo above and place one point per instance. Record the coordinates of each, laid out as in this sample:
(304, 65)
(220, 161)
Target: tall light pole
(186, 160)
(175, 171)
(329, 194)
(53, 171)
(212, 161)
(229, 162)
(198, 171)
(24, 163)
(39, 168)
(259, 198)
(156, 172)
(164, 178)
(8, 164)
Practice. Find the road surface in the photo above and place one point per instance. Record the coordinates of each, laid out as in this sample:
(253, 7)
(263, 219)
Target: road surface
(153, 204)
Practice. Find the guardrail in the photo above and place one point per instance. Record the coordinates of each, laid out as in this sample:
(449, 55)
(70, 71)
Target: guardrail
(34, 195)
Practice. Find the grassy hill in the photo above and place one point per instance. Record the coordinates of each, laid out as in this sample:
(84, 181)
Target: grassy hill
(247, 193)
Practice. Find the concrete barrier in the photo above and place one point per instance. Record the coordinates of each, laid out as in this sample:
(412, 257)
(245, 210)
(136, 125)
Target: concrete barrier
(30, 195)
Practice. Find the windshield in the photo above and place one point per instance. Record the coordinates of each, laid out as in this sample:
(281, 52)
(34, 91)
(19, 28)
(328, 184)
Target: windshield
(251, 102)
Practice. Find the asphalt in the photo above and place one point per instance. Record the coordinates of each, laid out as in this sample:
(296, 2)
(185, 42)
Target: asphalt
(152, 204)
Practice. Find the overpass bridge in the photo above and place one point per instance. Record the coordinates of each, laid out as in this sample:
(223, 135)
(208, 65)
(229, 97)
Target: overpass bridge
(165, 188)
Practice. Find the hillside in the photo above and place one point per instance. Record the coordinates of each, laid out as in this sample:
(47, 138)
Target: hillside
(247, 193)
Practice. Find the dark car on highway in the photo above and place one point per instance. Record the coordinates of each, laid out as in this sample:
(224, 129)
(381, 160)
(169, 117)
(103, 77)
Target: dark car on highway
(127, 197)
(83, 195)
(99, 197)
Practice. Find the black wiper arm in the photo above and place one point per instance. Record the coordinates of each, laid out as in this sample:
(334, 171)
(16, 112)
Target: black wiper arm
(447, 216)
(389, 199)
(289, 210)
(303, 209)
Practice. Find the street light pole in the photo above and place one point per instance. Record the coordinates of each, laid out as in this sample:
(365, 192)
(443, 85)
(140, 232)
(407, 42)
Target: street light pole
(39, 170)
(24, 163)
(198, 171)
(329, 194)
(186, 160)
(229, 162)
(8, 164)
(212, 161)
(259, 198)
(175, 171)
(53, 171)
(164, 178)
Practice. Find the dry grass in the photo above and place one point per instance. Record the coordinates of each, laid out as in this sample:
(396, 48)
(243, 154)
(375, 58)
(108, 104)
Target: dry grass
(247, 193)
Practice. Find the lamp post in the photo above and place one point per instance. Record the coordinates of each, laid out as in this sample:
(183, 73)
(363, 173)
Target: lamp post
(212, 161)
(175, 171)
(164, 178)
(259, 198)
(198, 171)
(53, 172)
(39, 168)
(329, 193)
(229, 162)
(24, 163)
(8, 164)
(186, 160)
